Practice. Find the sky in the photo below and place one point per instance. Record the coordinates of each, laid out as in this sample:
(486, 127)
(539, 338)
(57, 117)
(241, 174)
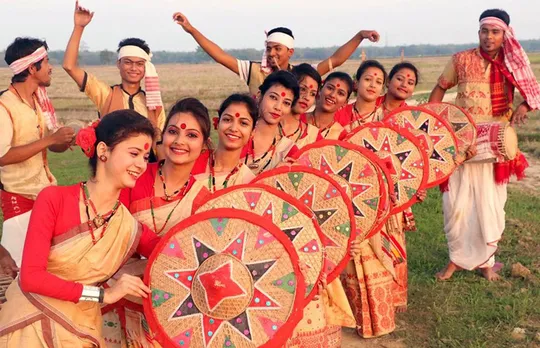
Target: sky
(241, 23)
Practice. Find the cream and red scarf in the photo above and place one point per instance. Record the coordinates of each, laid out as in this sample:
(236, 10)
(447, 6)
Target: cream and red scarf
(47, 109)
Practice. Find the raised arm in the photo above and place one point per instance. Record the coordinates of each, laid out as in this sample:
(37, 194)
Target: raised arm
(213, 50)
(344, 52)
(81, 19)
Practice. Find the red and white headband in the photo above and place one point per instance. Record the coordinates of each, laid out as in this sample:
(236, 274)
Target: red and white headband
(24, 63)
(151, 80)
(499, 23)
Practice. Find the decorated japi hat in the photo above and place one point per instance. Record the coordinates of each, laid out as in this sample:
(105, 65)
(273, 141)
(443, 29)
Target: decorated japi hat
(214, 285)
(293, 218)
(330, 206)
(401, 153)
(435, 135)
(461, 122)
(363, 175)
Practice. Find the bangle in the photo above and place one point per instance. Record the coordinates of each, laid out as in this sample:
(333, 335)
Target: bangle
(90, 293)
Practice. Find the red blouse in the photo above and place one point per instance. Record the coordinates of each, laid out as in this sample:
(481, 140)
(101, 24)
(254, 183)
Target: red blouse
(144, 188)
(56, 211)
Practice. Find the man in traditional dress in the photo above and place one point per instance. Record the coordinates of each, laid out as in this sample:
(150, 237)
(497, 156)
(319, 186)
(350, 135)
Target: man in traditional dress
(279, 49)
(134, 63)
(473, 204)
(29, 128)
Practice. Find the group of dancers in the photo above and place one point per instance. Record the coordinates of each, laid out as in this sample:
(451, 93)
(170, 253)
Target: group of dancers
(70, 248)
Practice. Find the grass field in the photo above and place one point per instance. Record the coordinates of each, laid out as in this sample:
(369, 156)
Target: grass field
(466, 311)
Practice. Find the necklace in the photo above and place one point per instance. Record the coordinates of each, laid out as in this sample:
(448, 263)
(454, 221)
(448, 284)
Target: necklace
(324, 132)
(168, 197)
(99, 220)
(212, 177)
(21, 98)
(298, 130)
(183, 192)
(357, 117)
(255, 162)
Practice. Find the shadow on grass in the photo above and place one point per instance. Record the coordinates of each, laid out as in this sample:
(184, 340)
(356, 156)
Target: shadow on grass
(468, 311)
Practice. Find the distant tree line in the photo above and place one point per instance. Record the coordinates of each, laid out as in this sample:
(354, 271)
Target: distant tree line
(106, 57)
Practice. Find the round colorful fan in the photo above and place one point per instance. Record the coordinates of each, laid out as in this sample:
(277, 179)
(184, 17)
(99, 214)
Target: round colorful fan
(286, 212)
(213, 286)
(330, 205)
(403, 156)
(461, 122)
(359, 169)
(435, 134)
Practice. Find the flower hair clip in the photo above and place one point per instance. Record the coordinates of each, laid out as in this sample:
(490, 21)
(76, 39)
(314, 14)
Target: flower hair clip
(86, 139)
(215, 122)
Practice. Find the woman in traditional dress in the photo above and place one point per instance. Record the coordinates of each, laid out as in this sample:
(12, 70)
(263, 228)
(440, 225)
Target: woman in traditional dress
(402, 80)
(164, 195)
(223, 168)
(293, 125)
(334, 94)
(370, 82)
(376, 282)
(78, 237)
(267, 148)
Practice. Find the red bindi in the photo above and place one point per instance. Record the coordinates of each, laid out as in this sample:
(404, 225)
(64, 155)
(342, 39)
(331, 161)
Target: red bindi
(375, 74)
(146, 146)
(310, 86)
(237, 114)
(338, 85)
(283, 94)
(408, 75)
(183, 126)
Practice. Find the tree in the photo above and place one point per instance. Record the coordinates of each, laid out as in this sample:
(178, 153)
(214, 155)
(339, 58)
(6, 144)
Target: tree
(201, 55)
(106, 57)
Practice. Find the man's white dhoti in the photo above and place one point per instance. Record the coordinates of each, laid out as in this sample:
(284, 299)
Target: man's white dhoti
(14, 234)
(474, 217)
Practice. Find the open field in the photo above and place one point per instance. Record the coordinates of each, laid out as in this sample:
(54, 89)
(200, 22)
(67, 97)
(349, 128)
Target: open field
(466, 311)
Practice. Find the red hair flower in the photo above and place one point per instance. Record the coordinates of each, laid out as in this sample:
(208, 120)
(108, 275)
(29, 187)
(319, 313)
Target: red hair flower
(86, 139)
(215, 121)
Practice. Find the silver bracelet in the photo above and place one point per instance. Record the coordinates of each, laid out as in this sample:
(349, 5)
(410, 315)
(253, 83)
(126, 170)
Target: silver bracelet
(91, 294)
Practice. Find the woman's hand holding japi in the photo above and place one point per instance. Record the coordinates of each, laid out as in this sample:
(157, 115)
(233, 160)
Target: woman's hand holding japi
(355, 248)
(421, 195)
(126, 285)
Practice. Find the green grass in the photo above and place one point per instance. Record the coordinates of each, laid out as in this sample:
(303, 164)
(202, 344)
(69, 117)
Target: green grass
(466, 311)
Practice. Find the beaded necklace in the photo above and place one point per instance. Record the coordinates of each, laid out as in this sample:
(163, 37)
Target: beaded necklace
(183, 192)
(99, 220)
(212, 177)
